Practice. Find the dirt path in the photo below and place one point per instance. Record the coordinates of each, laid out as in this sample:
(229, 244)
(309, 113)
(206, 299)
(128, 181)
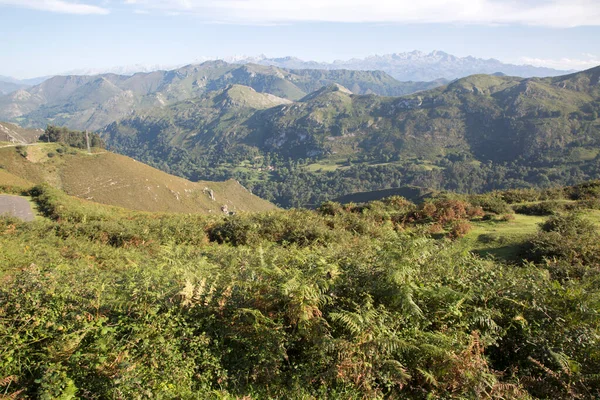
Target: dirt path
(17, 207)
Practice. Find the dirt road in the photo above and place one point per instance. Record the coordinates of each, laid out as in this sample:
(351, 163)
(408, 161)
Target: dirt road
(17, 207)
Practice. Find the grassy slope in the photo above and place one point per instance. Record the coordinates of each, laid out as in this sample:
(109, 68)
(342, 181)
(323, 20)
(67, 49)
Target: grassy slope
(117, 180)
(8, 179)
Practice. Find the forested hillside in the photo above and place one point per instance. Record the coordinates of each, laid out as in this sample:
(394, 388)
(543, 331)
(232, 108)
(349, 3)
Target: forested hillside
(501, 132)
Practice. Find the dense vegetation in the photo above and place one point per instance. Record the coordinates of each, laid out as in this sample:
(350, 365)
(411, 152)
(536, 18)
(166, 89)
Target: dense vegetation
(63, 135)
(383, 299)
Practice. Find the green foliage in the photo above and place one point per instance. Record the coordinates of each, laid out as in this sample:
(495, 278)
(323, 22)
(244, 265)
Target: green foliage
(349, 301)
(570, 245)
(540, 208)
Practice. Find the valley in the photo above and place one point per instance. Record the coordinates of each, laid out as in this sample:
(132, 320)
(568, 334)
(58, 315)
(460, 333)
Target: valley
(273, 228)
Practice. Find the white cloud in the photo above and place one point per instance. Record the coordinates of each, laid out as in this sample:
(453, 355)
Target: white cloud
(555, 13)
(589, 61)
(58, 6)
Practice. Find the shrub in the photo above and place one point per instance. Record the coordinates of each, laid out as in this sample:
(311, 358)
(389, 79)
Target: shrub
(492, 202)
(542, 208)
(568, 238)
(22, 151)
(507, 217)
(588, 204)
(459, 229)
(584, 191)
(445, 211)
(330, 208)
(399, 203)
(520, 195)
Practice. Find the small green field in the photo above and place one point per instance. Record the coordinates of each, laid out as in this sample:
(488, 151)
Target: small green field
(503, 239)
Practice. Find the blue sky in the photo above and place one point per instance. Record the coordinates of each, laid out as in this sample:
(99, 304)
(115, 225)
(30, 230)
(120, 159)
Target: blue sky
(43, 37)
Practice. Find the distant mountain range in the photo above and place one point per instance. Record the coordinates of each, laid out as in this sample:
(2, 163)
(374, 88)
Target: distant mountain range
(9, 85)
(92, 102)
(413, 66)
(409, 66)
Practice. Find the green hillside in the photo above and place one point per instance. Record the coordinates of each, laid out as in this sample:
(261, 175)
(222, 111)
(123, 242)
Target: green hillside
(117, 180)
(479, 133)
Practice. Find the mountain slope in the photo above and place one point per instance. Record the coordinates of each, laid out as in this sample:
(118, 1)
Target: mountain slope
(483, 117)
(114, 179)
(15, 134)
(92, 102)
(507, 131)
(199, 125)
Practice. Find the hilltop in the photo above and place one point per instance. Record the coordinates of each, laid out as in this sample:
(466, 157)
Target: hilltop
(92, 102)
(113, 179)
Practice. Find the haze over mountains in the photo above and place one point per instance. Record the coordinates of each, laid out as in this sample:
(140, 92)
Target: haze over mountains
(414, 66)
(407, 66)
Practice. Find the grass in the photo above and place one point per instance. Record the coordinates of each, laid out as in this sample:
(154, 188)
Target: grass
(319, 167)
(503, 239)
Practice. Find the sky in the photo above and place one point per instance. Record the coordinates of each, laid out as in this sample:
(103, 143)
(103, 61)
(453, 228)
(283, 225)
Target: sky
(46, 37)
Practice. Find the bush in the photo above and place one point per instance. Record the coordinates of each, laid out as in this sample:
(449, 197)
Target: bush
(568, 238)
(459, 229)
(542, 208)
(22, 151)
(330, 208)
(520, 195)
(584, 191)
(507, 218)
(588, 204)
(492, 202)
(445, 211)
